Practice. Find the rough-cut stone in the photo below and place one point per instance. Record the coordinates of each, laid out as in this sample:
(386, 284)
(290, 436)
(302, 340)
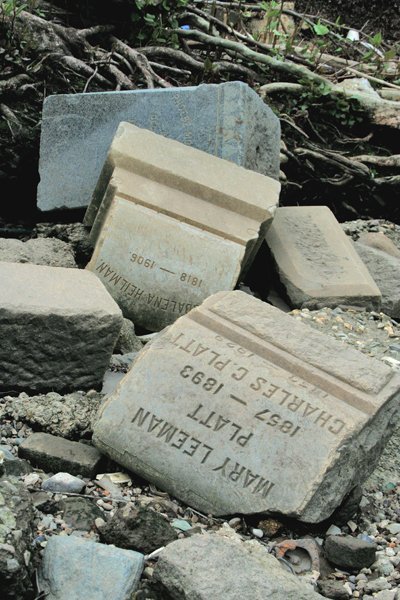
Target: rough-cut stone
(16, 536)
(74, 568)
(238, 408)
(227, 120)
(209, 566)
(57, 328)
(316, 262)
(331, 588)
(349, 552)
(140, 529)
(54, 454)
(50, 252)
(63, 482)
(68, 416)
(173, 225)
(385, 269)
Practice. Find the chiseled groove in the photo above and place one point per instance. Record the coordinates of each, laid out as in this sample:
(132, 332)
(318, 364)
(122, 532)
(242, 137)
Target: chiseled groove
(170, 213)
(281, 358)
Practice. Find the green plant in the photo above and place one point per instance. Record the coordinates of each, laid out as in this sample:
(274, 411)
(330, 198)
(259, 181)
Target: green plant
(154, 17)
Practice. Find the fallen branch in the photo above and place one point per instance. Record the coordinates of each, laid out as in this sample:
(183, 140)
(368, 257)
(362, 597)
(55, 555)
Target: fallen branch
(379, 161)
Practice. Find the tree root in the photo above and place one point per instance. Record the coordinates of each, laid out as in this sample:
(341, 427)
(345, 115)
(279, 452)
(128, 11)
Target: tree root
(141, 62)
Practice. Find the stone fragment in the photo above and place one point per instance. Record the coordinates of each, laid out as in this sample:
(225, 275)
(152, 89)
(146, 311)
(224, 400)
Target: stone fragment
(75, 234)
(58, 328)
(239, 408)
(63, 482)
(140, 529)
(316, 262)
(16, 536)
(50, 252)
(330, 588)
(227, 120)
(379, 241)
(385, 269)
(128, 341)
(11, 465)
(54, 454)
(173, 225)
(208, 566)
(68, 416)
(74, 568)
(80, 513)
(348, 552)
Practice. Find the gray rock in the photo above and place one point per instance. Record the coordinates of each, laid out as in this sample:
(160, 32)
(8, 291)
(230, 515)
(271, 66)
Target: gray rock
(331, 588)
(385, 270)
(75, 234)
(58, 328)
(376, 585)
(63, 482)
(140, 529)
(50, 252)
(227, 120)
(80, 513)
(68, 416)
(16, 536)
(209, 566)
(74, 568)
(349, 552)
(55, 454)
(128, 341)
(11, 465)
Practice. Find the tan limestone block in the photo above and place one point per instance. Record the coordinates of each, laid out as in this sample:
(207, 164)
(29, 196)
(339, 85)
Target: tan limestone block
(316, 261)
(173, 225)
(186, 169)
(238, 408)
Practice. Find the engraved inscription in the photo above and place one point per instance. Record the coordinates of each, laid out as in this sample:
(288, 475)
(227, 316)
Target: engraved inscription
(141, 260)
(196, 378)
(230, 469)
(126, 287)
(265, 392)
(216, 422)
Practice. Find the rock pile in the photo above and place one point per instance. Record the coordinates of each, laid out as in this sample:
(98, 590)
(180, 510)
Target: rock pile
(247, 434)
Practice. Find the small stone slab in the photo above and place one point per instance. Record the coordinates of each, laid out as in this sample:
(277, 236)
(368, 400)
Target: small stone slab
(58, 328)
(173, 225)
(228, 120)
(74, 568)
(39, 251)
(239, 408)
(208, 566)
(52, 453)
(316, 261)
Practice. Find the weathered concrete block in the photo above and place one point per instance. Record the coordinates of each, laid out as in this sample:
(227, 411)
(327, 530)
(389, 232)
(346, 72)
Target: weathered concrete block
(228, 120)
(50, 252)
(385, 269)
(173, 224)
(238, 408)
(75, 568)
(208, 566)
(58, 328)
(316, 262)
(54, 454)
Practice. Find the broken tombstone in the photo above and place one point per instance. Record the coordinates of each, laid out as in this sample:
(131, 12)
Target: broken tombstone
(238, 408)
(316, 262)
(58, 328)
(227, 120)
(173, 225)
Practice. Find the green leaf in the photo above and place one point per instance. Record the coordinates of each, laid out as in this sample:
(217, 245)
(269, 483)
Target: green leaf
(376, 40)
(320, 29)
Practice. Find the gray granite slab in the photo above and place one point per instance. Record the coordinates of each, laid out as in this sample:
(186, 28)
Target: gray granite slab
(228, 120)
